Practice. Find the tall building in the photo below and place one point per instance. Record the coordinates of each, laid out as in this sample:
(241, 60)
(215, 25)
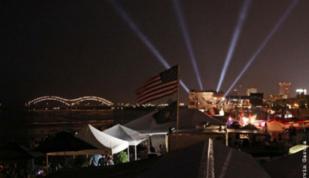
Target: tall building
(284, 89)
(251, 90)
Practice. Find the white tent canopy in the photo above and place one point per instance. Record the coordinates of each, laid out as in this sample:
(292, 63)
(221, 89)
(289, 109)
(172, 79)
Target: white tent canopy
(102, 140)
(131, 136)
(124, 133)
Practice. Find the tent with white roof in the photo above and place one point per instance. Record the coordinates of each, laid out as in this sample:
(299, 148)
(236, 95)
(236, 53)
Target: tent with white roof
(124, 133)
(133, 137)
(102, 140)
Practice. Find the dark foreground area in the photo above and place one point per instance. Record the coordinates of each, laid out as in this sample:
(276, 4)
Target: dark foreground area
(25, 127)
(190, 162)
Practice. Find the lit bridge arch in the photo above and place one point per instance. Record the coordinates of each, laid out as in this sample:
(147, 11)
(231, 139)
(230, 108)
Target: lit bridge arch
(90, 98)
(48, 98)
(69, 102)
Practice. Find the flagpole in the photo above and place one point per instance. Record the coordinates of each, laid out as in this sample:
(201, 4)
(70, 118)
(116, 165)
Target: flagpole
(177, 109)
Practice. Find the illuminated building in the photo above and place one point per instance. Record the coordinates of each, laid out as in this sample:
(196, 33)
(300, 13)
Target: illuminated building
(233, 102)
(284, 89)
(205, 100)
(301, 91)
(251, 90)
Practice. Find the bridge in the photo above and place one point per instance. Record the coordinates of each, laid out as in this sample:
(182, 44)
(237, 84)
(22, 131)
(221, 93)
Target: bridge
(69, 102)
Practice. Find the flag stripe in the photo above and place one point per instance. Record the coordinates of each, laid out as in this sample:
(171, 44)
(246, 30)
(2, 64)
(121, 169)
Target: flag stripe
(158, 87)
(158, 96)
(149, 86)
(148, 82)
(154, 78)
(161, 85)
(159, 92)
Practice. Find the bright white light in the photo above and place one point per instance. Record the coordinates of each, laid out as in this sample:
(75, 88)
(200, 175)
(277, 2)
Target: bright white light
(252, 119)
(297, 148)
(301, 91)
(244, 121)
(288, 115)
(262, 124)
(221, 112)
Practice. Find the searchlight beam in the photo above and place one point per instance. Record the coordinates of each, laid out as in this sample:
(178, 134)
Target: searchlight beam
(122, 13)
(237, 31)
(264, 43)
(186, 36)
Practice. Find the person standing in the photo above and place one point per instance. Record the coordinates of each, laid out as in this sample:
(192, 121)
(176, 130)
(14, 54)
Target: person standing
(162, 149)
(110, 160)
(95, 160)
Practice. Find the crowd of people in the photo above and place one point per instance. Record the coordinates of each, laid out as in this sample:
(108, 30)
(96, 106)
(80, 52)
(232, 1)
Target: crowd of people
(101, 160)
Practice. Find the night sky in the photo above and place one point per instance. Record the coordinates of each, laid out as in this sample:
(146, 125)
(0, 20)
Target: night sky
(73, 48)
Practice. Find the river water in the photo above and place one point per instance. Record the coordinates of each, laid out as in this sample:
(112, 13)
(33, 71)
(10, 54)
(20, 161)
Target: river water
(26, 127)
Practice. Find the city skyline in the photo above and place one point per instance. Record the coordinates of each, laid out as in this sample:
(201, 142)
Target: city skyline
(75, 48)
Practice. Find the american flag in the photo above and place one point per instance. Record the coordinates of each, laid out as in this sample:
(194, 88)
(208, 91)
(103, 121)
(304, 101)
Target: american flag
(159, 86)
